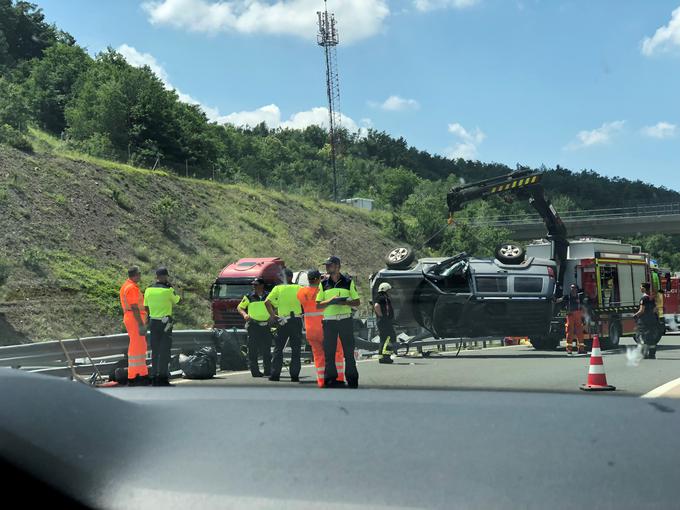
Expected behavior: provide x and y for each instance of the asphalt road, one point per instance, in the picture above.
(514, 368)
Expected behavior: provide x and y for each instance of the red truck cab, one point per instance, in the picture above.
(235, 281)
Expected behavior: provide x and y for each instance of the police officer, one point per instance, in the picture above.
(385, 315)
(159, 299)
(337, 295)
(254, 311)
(288, 313)
(647, 322)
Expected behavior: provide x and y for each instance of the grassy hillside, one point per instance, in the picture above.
(72, 224)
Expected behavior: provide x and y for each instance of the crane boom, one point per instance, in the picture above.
(524, 184)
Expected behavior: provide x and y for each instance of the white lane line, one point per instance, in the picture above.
(663, 389)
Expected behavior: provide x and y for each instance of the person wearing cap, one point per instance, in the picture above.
(285, 309)
(254, 311)
(134, 318)
(160, 298)
(314, 329)
(385, 318)
(337, 295)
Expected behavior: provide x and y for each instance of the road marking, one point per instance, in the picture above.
(663, 389)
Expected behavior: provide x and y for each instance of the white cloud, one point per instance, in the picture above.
(660, 130)
(357, 19)
(138, 59)
(665, 38)
(271, 115)
(396, 104)
(466, 148)
(430, 5)
(598, 136)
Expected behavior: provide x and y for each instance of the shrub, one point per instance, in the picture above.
(169, 213)
(14, 138)
(35, 260)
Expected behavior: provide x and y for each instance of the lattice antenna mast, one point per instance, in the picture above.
(329, 40)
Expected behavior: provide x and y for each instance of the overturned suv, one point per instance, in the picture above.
(461, 296)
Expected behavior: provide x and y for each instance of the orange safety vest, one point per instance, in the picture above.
(313, 315)
(130, 295)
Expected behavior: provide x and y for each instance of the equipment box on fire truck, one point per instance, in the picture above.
(609, 274)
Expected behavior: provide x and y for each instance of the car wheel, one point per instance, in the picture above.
(545, 343)
(510, 253)
(612, 341)
(400, 258)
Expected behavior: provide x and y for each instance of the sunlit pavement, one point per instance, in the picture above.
(514, 368)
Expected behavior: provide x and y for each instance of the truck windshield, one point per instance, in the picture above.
(231, 290)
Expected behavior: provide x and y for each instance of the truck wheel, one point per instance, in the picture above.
(545, 343)
(400, 258)
(612, 341)
(510, 253)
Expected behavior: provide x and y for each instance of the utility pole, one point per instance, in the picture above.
(328, 39)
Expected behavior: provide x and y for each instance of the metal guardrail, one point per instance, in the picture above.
(108, 351)
(642, 211)
(44, 354)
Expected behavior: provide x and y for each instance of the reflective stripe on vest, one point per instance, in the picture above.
(313, 314)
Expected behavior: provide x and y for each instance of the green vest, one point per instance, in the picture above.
(160, 298)
(284, 297)
(255, 307)
(344, 287)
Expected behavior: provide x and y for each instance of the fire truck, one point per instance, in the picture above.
(609, 273)
(669, 285)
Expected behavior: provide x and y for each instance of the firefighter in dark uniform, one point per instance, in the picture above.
(573, 328)
(385, 315)
(337, 295)
(647, 323)
(254, 311)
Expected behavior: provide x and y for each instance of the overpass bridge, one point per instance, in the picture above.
(646, 219)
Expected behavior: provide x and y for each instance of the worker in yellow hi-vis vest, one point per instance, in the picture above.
(159, 299)
(285, 309)
(337, 295)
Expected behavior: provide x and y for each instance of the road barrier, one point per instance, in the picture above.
(108, 351)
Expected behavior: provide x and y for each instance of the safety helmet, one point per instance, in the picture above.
(384, 287)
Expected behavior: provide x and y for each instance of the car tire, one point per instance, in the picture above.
(545, 343)
(400, 258)
(509, 253)
(612, 341)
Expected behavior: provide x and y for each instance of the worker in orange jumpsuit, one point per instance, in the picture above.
(574, 326)
(134, 318)
(314, 328)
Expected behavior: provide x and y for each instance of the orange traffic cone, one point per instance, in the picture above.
(597, 380)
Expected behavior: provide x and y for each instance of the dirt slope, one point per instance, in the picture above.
(69, 229)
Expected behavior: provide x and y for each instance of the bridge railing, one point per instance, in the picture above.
(590, 215)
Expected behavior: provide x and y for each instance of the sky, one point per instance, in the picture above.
(580, 84)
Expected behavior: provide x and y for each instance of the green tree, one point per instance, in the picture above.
(14, 109)
(395, 185)
(51, 83)
(24, 34)
(130, 107)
